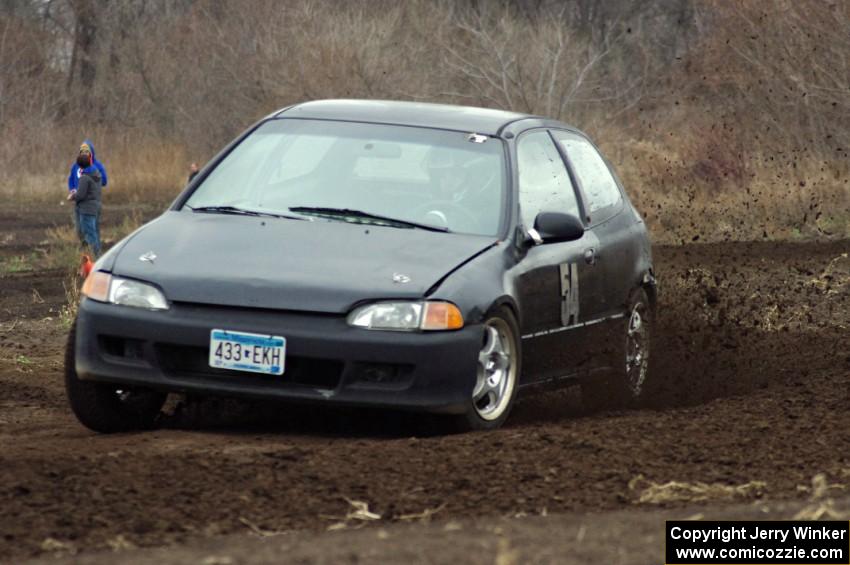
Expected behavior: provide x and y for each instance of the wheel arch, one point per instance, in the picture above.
(506, 301)
(650, 286)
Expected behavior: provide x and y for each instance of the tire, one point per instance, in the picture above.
(626, 384)
(106, 408)
(499, 369)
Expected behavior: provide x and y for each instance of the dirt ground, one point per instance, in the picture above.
(749, 394)
(623, 537)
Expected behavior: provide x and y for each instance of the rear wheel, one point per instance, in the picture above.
(499, 365)
(625, 385)
(108, 408)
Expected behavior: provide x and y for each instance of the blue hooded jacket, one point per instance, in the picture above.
(74, 176)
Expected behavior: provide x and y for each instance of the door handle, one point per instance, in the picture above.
(590, 256)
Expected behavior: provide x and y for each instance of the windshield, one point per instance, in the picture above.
(363, 173)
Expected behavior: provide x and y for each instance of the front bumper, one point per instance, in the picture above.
(326, 360)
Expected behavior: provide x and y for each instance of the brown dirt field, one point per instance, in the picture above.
(622, 537)
(751, 364)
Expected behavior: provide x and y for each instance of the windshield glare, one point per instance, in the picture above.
(432, 177)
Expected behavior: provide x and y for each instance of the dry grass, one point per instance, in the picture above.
(63, 251)
(68, 312)
(821, 506)
(649, 492)
(129, 223)
(18, 263)
(139, 170)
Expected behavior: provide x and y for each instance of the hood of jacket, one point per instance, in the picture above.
(88, 142)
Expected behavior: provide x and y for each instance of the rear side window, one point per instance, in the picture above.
(597, 183)
(544, 184)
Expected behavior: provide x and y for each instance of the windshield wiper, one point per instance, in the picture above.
(360, 214)
(240, 212)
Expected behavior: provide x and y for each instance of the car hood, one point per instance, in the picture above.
(318, 266)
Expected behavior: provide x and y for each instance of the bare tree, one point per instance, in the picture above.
(535, 65)
(85, 42)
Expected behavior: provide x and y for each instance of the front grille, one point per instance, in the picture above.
(189, 361)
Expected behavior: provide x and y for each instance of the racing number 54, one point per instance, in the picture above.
(569, 294)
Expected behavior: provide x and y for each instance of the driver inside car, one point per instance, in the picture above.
(448, 185)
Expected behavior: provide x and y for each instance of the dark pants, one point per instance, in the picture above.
(91, 232)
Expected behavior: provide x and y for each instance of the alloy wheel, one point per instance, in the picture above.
(637, 349)
(497, 368)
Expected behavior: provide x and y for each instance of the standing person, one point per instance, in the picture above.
(86, 198)
(86, 148)
(193, 171)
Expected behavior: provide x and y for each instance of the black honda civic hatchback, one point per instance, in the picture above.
(367, 253)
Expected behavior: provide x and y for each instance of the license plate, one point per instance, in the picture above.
(239, 351)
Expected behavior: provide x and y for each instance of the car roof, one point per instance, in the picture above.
(442, 116)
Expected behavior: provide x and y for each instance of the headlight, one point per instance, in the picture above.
(407, 316)
(103, 287)
(135, 293)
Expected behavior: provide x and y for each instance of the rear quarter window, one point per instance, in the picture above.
(597, 183)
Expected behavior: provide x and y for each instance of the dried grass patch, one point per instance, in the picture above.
(821, 506)
(650, 492)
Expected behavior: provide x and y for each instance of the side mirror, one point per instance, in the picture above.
(555, 227)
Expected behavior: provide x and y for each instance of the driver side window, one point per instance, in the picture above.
(544, 184)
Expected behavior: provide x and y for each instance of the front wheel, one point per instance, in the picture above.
(498, 370)
(108, 408)
(625, 385)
